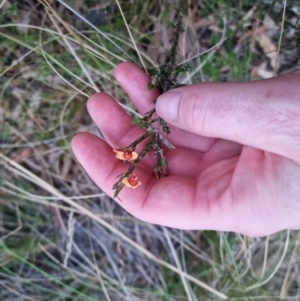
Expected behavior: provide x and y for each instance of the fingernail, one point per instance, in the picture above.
(167, 105)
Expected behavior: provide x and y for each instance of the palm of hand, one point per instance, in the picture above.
(212, 184)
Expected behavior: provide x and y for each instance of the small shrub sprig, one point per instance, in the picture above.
(164, 78)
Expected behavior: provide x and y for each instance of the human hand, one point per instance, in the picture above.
(236, 165)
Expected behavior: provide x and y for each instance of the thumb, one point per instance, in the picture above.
(264, 114)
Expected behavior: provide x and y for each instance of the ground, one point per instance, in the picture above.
(62, 238)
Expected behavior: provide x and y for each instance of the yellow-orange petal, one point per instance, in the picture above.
(134, 155)
(126, 155)
(132, 181)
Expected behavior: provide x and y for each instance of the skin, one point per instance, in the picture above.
(236, 165)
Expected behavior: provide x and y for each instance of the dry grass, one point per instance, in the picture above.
(61, 237)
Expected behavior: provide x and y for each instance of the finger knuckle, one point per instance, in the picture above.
(196, 111)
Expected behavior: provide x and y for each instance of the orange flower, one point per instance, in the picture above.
(131, 181)
(125, 155)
